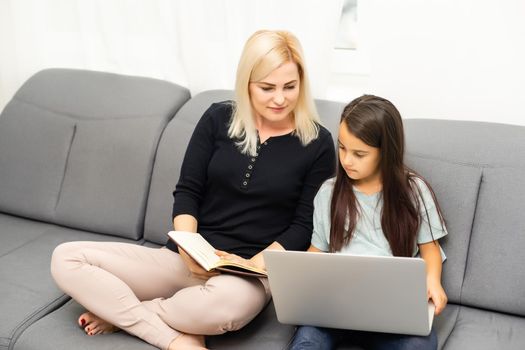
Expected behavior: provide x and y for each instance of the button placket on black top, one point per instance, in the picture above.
(245, 181)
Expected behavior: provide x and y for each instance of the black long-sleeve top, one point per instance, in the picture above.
(242, 203)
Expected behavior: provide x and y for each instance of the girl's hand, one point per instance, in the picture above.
(436, 293)
(196, 270)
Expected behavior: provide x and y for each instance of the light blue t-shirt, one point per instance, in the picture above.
(368, 237)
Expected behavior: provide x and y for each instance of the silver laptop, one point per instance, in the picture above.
(368, 293)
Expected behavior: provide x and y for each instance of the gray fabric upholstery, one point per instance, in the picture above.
(482, 249)
(79, 149)
(456, 188)
(484, 330)
(72, 336)
(15, 232)
(263, 333)
(27, 291)
(107, 175)
(76, 149)
(34, 146)
(78, 145)
(444, 324)
(97, 95)
(476, 171)
(330, 114)
(474, 143)
(494, 278)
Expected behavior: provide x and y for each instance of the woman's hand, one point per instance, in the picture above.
(436, 293)
(234, 258)
(196, 270)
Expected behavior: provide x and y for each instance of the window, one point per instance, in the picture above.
(349, 54)
(347, 30)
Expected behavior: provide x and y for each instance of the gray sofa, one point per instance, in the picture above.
(95, 156)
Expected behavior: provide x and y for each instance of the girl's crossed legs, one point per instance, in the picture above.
(150, 293)
(318, 338)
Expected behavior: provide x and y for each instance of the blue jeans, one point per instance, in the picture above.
(308, 337)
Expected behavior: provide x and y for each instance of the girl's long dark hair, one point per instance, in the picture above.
(377, 122)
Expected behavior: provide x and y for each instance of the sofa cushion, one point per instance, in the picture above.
(28, 291)
(263, 333)
(444, 323)
(494, 275)
(107, 175)
(77, 148)
(42, 334)
(98, 95)
(34, 148)
(456, 187)
(474, 143)
(486, 330)
(330, 114)
(16, 231)
(455, 177)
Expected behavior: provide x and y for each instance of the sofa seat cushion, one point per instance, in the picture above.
(486, 330)
(263, 333)
(16, 231)
(28, 291)
(444, 323)
(59, 330)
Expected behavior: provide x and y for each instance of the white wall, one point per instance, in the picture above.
(195, 43)
(452, 59)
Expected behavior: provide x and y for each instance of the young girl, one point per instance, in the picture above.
(376, 206)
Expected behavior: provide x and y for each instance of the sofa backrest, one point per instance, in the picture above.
(77, 148)
(476, 170)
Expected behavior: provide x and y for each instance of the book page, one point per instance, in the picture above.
(232, 266)
(204, 254)
(197, 247)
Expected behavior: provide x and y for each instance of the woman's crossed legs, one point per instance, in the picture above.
(150, 293)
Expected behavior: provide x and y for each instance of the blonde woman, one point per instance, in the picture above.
(247, 183)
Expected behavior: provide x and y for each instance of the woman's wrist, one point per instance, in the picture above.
(257, 261)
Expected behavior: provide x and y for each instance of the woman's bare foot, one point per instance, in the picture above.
(188, 342)
(93, 324)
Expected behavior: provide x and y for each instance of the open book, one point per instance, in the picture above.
(204, 254)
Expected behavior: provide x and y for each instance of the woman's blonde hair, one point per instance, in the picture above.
(265, 51)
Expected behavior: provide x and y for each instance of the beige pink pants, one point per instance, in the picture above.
(150, 293)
